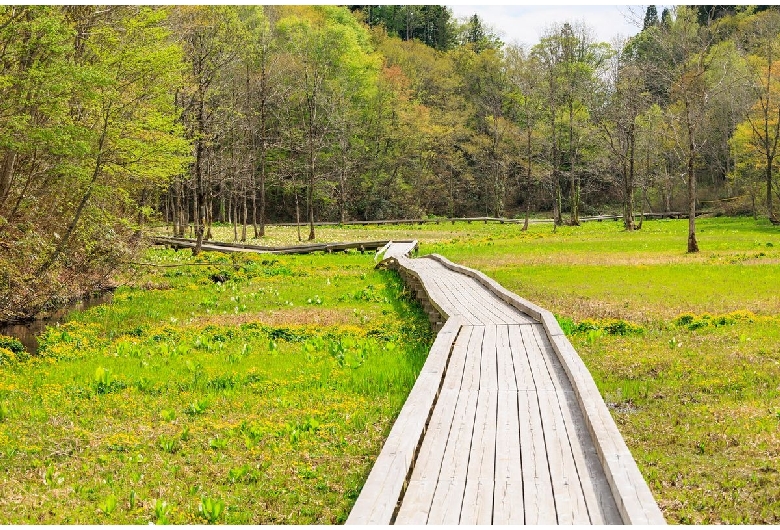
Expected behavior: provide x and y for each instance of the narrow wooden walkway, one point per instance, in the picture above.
(504, 425)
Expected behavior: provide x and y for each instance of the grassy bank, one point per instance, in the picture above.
(242, 391)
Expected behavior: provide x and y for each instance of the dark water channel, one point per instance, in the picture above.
(27, 332)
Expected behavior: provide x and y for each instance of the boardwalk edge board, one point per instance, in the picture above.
(632, 495)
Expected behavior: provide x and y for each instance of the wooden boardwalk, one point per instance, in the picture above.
(504, 425)
(306, 248)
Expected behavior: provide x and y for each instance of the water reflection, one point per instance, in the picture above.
(27, 332)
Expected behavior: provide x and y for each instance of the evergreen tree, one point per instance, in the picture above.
(651, 18)
(666, 18)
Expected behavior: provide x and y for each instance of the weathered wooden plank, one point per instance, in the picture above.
(472, 368)
(418, 497)
(462, 292)
(448, 497)
(508, 506)
(527, 447)
(598, 496)
(480, 479)
(478, 494)
(537, 485)
(455, 299)
(497, 311)
(422, 486)
(471, 294)
(530, 312)
(631, 493)
(601, 508)
(508, 490)
(488, 373)
(463, 348)
(506, 369)
(449, 301)
(569, 497)
(522, 370)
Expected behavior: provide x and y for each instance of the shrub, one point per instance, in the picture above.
(11, 343)
(593, 328)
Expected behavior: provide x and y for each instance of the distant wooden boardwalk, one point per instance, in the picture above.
(504, 424)
(306, 248)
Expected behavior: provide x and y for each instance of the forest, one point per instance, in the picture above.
(113, 118)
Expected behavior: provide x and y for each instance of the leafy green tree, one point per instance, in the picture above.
(211, 42)
(125, 120)
(432, 25)
(91, 130)
(689, 50)
(527, 103)
(761, 129)
(571, 62)
(474, 33)
(328, 55)
(625, 101)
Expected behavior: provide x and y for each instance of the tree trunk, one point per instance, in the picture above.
(575, 192)
(628, 215)
(200, 215)
(6, 175)
(310, 187)
(693, 246)
(235, 220)
(769, 205)
(246, 215)
(528, 183)
(141, 205)
(343, 191)
(297, 213)
(209, 215)
(84, 199)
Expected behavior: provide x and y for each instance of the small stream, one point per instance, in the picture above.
(27, 332)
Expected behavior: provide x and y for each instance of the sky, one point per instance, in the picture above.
(524, 24)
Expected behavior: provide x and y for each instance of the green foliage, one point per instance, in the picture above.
(168, 444)
(161, 511)
(90, 124)
(102, 380)
(12, 344)
(594, 328)
(430, 24)
(10, 357)
(108, 505)
(211, 509)
(694, 322)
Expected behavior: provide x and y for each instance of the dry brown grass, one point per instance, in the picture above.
(294, 316)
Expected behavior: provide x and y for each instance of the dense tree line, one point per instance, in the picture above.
(191, 115)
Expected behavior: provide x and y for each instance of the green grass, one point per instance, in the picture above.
(261, 399)
(193, 401)
(598, 270)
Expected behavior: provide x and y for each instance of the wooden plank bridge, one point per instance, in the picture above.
(504, 424)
